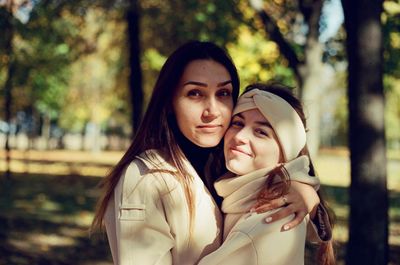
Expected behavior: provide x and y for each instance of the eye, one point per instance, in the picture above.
(237, 123)
(194, 93)
(261, 133)
(225, 92)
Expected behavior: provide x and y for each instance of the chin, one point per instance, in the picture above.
(208, 142)
(235, 167)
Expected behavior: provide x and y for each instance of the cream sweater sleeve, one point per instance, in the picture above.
(140, 233)
(319, 229)
(252, 241)
(237, 249)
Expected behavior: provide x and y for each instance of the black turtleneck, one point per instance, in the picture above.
(199, 158)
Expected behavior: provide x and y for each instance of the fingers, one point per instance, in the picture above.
(263, 206)
(284, 200)
(296, 221)
(282, 213)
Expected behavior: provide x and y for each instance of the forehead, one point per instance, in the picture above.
(206, 71)
(253, 115)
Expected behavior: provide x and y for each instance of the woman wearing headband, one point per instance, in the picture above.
(157, 206)
(265, 147)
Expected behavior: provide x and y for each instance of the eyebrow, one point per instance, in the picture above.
(206, 85)
(262, 123)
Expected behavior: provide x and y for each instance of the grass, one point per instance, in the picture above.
(46, 208)
(45, 220)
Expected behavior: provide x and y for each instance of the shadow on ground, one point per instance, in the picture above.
(45, 218)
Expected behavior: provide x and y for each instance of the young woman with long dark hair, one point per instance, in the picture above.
(158, 206)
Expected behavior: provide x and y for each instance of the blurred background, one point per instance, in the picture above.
(76, 76)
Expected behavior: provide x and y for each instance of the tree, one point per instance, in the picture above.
(96, 99)
(135, 77)
(9, 32)
(295, 27)
(368, 233)
(8, 21)
(391, 29)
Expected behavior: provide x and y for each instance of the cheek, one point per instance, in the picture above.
(228, 136)
(185, 113)
(268, 155)
(274, 152)
(226, 111)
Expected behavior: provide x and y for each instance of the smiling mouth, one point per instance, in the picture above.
(235, 150)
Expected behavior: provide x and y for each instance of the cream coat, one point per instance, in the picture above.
(249, 240)
(147, 220)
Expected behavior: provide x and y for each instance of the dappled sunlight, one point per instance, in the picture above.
(61, 162)
(45, 220)
(41, 242)
(337, 198)
(394, 238)
(34, 208)
(333, 168)
(47, 215)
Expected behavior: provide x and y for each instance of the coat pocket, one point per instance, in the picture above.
(132, 212)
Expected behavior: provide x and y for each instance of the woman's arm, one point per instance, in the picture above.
(252, 242)
(139, 231)
(301, 200)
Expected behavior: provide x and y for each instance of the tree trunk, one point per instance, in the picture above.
(311, 72)
(135, 78)
(46, 130)
(8, 35)
(316, 78)
(368, 232)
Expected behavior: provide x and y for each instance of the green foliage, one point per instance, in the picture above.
(391, 30)
(72, 56)
(46, 49)
(94, 93)
(42, 55)
(392, 111)
(180, 21)
(153, 60)
(257, 59)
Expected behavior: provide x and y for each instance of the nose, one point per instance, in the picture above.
(241, 136)
(211, 109)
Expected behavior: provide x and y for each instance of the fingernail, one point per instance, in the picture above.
(268, 219)
(252, 210)
(286, 227)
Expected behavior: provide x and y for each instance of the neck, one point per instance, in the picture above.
(197, 156)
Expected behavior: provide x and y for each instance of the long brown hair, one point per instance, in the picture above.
(157, 128)
(325, 254)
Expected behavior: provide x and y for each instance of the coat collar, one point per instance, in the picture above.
(240, 193)
(153, 159)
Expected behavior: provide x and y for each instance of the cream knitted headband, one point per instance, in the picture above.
(281, 115)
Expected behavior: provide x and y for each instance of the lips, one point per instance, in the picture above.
(237, 150)
(209, 128)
